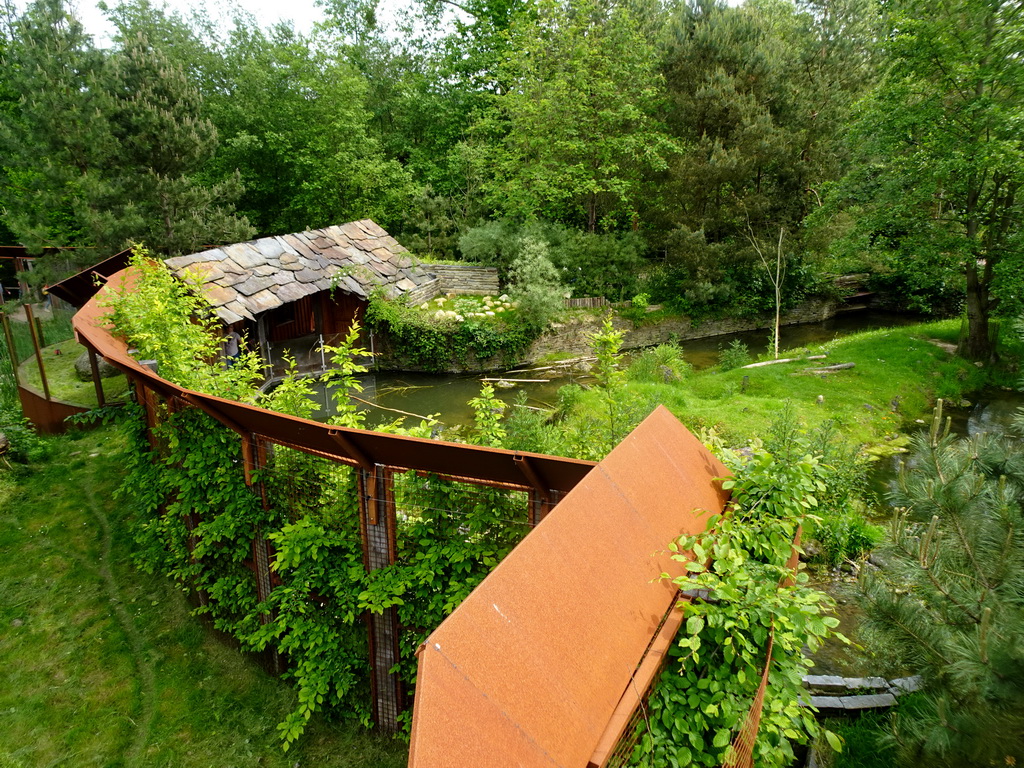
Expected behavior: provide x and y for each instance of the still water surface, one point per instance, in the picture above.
(447, 395)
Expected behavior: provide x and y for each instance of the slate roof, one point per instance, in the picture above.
(245, 279)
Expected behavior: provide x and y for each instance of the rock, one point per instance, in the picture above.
(84, 371)
(826, 683)
(17, 623)
(873, 701)
(903, 685)
(878, 560)
(811, 550)
(668, 375)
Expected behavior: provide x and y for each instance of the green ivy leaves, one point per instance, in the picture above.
(741, 560)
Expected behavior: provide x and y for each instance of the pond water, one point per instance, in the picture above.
(447, 395)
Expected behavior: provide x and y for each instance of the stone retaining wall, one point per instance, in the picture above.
(425, 292)
(463, 278)
(572, 337)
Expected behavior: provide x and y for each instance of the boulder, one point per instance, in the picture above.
(84, 371)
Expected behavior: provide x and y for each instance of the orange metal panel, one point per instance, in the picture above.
(473, 462)
(551, 639)
(48, 416)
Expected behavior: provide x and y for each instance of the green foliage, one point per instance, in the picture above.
(343, 376)
(702, 700)
(26, 447)
(758, 95)
(535, 286)
(572, 133)
(845, 536)
(588, 264)
(863, 741)
(107, 145)
(840, 531)
(487, 412)
(947, 605)
(942, 157)
(663, 363)
(736, 355)
(445, 344)
(169, 321)
(294, 125)
(292, 395)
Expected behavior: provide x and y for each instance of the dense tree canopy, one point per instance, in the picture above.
(675, 136)
(943, 162)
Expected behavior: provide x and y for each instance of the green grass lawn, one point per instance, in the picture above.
(104, 665)
(59, 360)
(891, 363)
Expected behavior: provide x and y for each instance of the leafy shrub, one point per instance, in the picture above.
(736, 355)
(535, 286)
(568, 397)
(662, 364)
(446, 344)
(26, 445)
(845, 536)
(588, 264)
(700, 704)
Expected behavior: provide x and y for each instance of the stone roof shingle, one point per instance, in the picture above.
(244, 279)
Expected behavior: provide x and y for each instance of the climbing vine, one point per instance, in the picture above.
(740, 564)
(195, 519)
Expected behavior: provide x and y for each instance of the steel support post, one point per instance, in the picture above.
(377, 523)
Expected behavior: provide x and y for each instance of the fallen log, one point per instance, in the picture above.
(396, 410)
(784, 360)
(830, 368)
(520, 381)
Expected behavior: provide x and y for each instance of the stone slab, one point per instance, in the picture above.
(270, 247)
(263, 301)
(307, 276)
(254, 285)
(866, 683)
(903, 685)
(827, 683)
(827, 704)
(871, 701)
(295, 291)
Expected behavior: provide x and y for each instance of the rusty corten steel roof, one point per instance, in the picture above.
(528, 670)
(245, 279)
(468, 461)
(78, 289)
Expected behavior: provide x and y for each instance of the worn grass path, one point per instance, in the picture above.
(101, 665)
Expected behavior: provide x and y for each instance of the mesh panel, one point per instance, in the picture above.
(486, 520)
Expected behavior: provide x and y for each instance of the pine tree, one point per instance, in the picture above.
(56, 138)
(105, 147)
(164, 140)
(948, 604)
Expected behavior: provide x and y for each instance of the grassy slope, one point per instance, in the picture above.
(64, 384)
(103, 665)
(889, 363)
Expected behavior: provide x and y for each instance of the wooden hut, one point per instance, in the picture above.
(293, 293)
